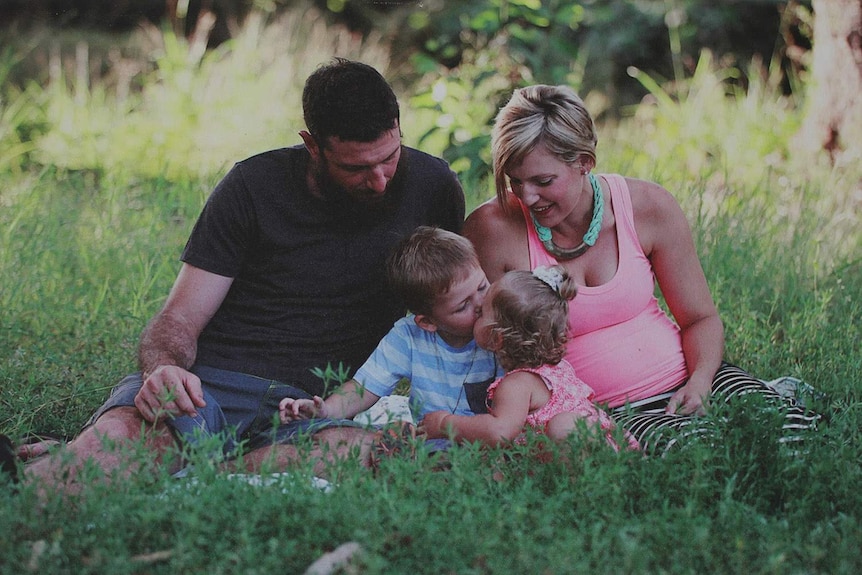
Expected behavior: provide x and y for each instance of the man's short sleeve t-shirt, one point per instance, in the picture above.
(309, 285)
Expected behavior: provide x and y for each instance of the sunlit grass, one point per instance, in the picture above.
(198, 112)
(95, 209)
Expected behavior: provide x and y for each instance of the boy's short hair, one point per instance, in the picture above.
(425, 264)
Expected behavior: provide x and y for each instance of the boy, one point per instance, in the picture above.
(437, 274)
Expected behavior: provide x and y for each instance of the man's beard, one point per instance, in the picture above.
(356, 211)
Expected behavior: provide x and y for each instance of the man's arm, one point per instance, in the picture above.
(168, 344)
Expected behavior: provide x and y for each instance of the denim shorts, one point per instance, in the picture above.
(239, 408)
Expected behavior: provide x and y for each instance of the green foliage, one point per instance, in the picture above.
(332, 376)
(20, 112)
(491, 47)
(197, 111)
(86, 260)
(89, 235)
(488, 512)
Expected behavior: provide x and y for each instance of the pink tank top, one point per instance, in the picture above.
(621, 343)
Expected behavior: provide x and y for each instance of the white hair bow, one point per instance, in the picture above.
(550, 276)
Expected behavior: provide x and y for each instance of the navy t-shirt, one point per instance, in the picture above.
(309, 287)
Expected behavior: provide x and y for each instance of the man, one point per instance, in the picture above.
(283, 274)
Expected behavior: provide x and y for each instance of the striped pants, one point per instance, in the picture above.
(658, 432)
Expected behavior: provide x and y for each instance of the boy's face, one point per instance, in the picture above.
(455, 312)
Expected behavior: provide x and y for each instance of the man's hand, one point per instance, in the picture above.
(290, 409)
(169, 389)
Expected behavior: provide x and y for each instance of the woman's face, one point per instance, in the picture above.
(545, 184)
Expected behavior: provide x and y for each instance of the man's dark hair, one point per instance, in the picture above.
(348, 100)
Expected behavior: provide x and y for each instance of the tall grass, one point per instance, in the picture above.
(95, 212)
(778, 232)
(198, 111)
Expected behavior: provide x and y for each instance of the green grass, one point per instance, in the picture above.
(88, 250)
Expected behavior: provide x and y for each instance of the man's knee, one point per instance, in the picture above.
(122, 425)
(341, 442)
(344, 436)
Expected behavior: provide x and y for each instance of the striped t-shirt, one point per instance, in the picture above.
(437, 372)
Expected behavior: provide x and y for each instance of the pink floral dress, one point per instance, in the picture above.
(568, 394)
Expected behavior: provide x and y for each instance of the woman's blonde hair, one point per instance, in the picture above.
(531, 318)
(551, 116)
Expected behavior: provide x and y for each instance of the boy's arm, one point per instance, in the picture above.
(290, 409)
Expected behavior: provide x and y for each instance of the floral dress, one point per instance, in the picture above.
(568, 395)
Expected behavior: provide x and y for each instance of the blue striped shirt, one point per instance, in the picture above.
(436, 370)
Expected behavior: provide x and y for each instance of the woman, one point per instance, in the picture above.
(616, 236)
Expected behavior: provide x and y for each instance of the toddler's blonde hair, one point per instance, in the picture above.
(531, 318)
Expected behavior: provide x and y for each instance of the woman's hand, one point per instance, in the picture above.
(691, 398)
(290, 409)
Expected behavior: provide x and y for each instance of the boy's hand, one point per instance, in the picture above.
(290, 409)
(432, 425)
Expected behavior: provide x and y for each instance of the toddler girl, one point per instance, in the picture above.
(525, 321)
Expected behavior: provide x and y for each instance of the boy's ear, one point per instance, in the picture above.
(425, 322)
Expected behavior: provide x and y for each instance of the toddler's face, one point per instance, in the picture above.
(456, 311)
(486, 321)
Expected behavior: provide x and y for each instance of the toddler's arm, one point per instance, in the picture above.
(505, 421)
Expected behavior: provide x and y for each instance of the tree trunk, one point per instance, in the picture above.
(834, 117)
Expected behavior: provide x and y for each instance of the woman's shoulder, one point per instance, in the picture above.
(499, 236)
(646, 195)
(652, 204)
(657, 214)
(491, 213)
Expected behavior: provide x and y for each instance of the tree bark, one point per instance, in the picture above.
(834, 117)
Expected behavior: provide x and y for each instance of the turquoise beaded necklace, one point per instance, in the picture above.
(592, 231)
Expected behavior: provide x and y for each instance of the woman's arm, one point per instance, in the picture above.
(667, 240)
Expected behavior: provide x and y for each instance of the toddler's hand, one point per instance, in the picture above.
(432, 426)
(290, 409)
